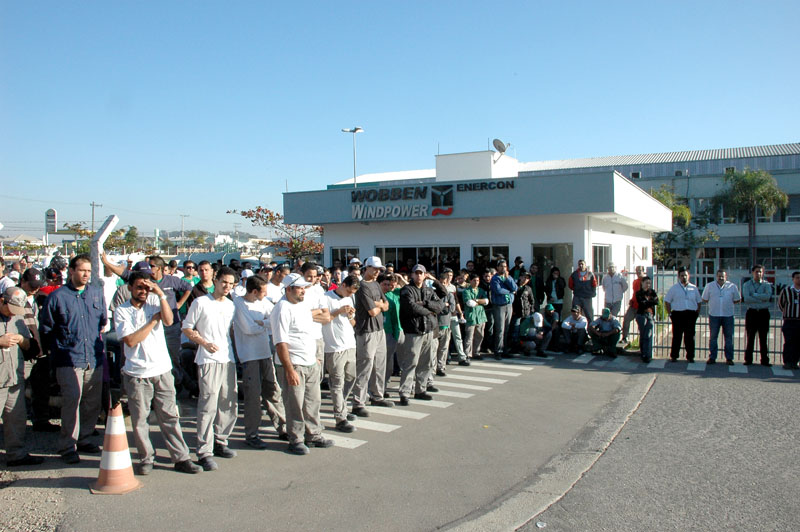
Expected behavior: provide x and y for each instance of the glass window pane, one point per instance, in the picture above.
(450, 257)
(481, 257)
(793, 261)
(499, 252)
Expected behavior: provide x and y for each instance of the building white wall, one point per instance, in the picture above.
(518, 233)
(475, 165)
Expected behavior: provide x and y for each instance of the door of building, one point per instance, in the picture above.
(706, 270)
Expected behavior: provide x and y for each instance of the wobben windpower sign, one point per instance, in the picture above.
(414, 201)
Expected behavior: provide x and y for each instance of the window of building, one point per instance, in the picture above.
(341, 256)
(678, 173)
(636, 175)
(434, 258)
(601, 256)
(793, 259)
(486, 256)
(547, 256)
(793, 210)
(734, 258)
(730, 169)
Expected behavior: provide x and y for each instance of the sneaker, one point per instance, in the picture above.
(71, 457)
(26, 460)
(283, 435)
(729, 362)
(463, 363)
(319, 442)
(673, 359)
(403, 400)
(88, 448)
(186, 466)
(345, 426)
(711, 361)
(440, 373)
(45, 426)
(423, 396)
(432, 388)
(748, 362)
(351, 417)
(766, 364)
(208, 464)
(297, 448)
(360, 411)
(145, 468)
(223, 451)
(256, 443)
(382, 402)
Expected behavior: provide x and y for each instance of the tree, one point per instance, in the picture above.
(688, 230)
(749, 193)
(295, 241)
(83, 236)
(131, 236)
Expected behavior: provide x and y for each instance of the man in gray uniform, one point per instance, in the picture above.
(15, 338)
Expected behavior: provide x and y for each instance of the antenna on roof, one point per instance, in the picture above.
(500, 147)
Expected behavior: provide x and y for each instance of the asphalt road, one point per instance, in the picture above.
(710, 451)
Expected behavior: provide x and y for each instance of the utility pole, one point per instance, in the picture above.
(93, 205)
(183, 217)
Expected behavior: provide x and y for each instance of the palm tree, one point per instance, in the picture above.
(750, 192)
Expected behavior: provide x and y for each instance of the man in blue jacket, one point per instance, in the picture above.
(71, 323)
(503, 288)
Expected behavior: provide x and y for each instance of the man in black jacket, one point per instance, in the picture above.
(419, 308)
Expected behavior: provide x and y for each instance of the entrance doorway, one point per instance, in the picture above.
(706, 270)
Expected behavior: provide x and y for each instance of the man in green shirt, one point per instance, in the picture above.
(391, 285)
(475, 299)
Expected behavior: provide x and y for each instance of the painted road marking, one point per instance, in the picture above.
(487, 372)
(477, 379)
(463, 386)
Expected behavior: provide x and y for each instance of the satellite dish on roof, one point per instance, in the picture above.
(499, 146)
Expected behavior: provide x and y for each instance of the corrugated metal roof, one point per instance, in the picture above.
(669, 157)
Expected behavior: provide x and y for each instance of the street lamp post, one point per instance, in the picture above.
(353, 131)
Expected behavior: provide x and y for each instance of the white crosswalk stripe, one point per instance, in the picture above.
(737, 369)
(477, 379)
(600, 362)
(399, 411)
(658, 363)
(520, 367)
(344, 442)
(362, 424)
(696, 366)
(780, 372)
(463, 386)
(487, 372)
(583, 359)
(434, 403)
(449, 393)
(522, 362)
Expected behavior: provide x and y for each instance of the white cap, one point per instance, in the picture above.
(374, 262)
(246, 273)
(294, 279)
(355, 260)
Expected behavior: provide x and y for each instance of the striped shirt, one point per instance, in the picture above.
(789, 303)
(32, 321)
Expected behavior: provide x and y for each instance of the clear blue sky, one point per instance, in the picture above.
(155, 109)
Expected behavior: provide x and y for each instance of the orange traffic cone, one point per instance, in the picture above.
(116, 471)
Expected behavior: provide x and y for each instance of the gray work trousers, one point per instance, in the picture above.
(502, 322)
(160, 392)
(443, 348)
(455, 338)
(630, 317)
(12, 401)
(473, 337)
(260, 387)
(393, 347)
(81, 392)
(217, 405)
(415, 363)
(341, 366)
(302, 403)
(370, 367)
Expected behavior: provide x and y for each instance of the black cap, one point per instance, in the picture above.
(34, 277)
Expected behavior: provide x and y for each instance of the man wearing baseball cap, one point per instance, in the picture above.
(37, 365)
(371, 303)
(419, 308)
(15, 341)
(297, 367)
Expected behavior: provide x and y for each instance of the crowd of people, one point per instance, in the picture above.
(288, 331)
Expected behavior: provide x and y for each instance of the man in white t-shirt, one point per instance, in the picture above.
(340, 348)
(299, 371)
(315, 301)
(147, 373)
(274, 286)
(251, 330)
(208, 324)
